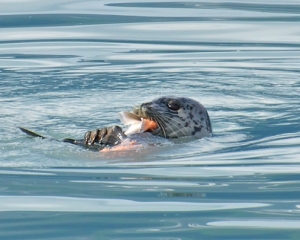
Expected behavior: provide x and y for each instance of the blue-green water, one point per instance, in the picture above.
(70, 66)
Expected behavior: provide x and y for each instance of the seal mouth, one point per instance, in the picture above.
(151, 119)
(138, 123)
(149, 123)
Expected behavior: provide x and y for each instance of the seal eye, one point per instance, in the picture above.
(173, 106)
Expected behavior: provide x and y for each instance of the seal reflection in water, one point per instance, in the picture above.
(173, 117)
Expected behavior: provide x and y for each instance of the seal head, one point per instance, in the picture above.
(176, 117)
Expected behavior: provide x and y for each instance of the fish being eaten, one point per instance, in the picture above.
(138, 124)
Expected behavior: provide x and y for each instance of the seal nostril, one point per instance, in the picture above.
(145, 106)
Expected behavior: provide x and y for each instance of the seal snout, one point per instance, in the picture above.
(144, 110)
(145, 107)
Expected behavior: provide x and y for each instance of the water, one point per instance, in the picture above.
(70, 66)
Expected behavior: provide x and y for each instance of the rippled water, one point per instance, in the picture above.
(70, 66)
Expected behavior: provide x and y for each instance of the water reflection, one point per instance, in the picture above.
(67, 204)
(267, 223)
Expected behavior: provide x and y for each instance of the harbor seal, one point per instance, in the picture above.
(175, 117)
(168, 117)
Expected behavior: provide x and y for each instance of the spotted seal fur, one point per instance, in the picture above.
(176, 117)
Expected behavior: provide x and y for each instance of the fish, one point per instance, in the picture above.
(137, 124)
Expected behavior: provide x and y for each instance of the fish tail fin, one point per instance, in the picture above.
(33, 134)
(30, 133)
(67, 140)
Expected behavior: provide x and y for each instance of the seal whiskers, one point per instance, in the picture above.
(160, 123)
(170, 125)
(174, 125)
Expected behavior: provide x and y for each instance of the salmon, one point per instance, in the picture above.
(131, 146)
(137, 124)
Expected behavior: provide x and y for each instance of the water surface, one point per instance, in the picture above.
(70, 66)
